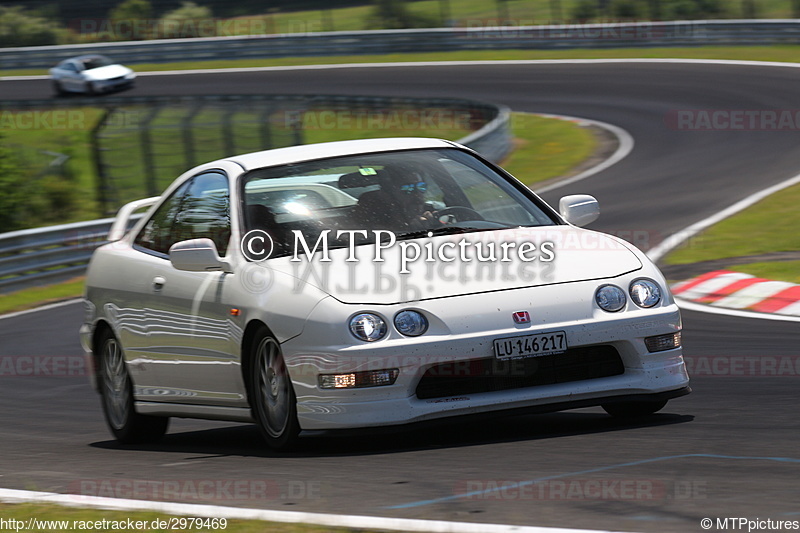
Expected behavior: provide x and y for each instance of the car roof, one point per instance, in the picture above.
(310, 152)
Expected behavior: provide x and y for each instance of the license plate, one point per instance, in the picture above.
(551, 343)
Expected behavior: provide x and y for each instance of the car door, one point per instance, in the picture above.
(188, 332)
(71, 77)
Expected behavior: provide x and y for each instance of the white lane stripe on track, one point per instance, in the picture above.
(327, 520)
(42, 308)
(688, 305)
(683, 235)
(626, 144)
(446, 64)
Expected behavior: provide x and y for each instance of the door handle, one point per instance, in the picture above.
(158, 282)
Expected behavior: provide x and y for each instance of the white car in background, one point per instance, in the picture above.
(90, 74)
(370, 283)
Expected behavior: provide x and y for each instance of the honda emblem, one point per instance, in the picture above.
(522, 317)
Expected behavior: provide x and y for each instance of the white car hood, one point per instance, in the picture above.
(579, 255)
(106, 73)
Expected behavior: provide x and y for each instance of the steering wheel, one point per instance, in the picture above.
(456, 213)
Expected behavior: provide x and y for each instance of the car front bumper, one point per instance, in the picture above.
(641, 375)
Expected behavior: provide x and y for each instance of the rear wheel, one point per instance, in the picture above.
(116, 391)
(273, 400)
(632, 409)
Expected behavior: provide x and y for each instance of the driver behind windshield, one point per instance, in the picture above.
(399, 205)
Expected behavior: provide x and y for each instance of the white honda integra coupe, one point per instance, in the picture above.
(369, 283)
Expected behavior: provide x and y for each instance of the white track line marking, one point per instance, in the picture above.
(328, 520)
(625, 147)
(42, 308)
(446, 64)
(691, 306)
(679, 237)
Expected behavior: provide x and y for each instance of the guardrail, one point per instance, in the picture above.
(604, 35)
(47, 255)
(52, 254)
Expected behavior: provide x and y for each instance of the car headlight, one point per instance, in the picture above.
(610, 298)
(367, 327)
(411, 323)
(645, 292)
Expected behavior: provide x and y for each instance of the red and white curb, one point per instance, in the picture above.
(734, 290)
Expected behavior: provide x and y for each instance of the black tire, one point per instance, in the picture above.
(633, 409)
(272, 399)
(58, 88)
(116, 391)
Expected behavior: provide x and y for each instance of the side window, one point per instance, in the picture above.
(200, 208)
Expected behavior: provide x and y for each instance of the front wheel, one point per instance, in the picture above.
(633, 409)
(116, 390)
(273, 400)
(58, 88)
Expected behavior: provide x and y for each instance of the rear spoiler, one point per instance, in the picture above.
(123, 219)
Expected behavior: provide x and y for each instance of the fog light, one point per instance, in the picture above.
(659, 343)
(357, 380)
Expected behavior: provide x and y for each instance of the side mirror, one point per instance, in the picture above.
(197, 255)
(579, 209)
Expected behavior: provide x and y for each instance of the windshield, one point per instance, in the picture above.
(410, 193)
(96, 62)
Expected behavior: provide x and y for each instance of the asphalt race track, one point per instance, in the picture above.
(728, 450)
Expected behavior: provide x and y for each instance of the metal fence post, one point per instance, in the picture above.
(187, 134)
(103, 186)
(147, 152)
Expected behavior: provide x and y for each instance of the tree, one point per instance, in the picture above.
(21, 28)
(15, 189)
(394, 14)
(131, 19)
(584, 10)
(189, 20)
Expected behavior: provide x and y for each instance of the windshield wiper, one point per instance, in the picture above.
(443, 230)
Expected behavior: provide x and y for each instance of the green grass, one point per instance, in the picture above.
(779, 270)
(783, 53)
(771, 225)
(546, 148)
(75, 516)
(34, 297)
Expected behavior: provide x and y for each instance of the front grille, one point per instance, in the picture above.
(490, 374)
